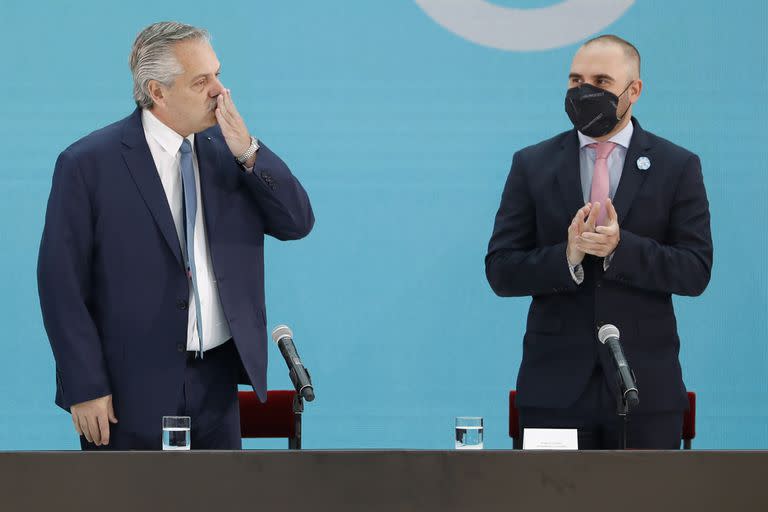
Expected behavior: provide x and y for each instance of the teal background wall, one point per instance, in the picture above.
(402, 132)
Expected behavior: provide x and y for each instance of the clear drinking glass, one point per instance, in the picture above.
(176, 432)
(469, 433)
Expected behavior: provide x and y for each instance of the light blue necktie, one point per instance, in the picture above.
(190, 211)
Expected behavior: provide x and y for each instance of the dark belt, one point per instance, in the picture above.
(215, 351)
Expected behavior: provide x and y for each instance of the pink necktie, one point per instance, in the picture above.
(600, 188)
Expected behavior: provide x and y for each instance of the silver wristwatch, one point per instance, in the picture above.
(252, 149)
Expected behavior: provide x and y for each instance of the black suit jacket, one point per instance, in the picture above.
(665, 249)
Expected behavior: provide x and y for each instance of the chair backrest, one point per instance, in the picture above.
(514, 421)
(689, 421)
(274, 418)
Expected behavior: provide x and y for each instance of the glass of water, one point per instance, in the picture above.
(469, 433)
(176, 432)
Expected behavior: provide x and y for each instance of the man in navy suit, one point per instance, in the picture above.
(601, 225)
(151, 264)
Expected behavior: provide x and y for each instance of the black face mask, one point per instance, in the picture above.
(592, 110)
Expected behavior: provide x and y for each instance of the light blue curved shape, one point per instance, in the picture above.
(508, 28)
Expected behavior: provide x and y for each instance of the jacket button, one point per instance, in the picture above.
(181, 348)
(182, 304)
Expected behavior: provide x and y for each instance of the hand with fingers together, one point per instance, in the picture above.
(92, 419)
(232, 126)
(583, 222)
(602, 240)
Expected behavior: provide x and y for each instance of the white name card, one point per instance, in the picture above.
(550, 439)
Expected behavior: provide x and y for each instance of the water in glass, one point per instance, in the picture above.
(469, 437)
(176, 438)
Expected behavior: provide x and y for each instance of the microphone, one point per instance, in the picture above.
(609, 335)
(283, 336)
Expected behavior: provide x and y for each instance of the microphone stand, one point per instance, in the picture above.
(623, 412)
(298, 409)
(622, 409)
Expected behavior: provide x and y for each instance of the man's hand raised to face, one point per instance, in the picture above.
(232, 126)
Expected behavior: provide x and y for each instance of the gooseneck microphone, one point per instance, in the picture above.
(283, 336)
(609, 335)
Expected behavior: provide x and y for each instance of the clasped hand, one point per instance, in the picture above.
(585, 237)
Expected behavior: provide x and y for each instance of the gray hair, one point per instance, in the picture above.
(152, 56)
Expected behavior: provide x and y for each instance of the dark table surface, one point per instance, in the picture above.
(390, 480)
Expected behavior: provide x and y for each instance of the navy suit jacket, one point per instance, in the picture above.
(111, 278)
(665, 249)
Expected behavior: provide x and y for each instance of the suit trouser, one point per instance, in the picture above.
(208, 396)
(599, 427)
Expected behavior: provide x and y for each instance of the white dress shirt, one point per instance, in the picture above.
(164, 144)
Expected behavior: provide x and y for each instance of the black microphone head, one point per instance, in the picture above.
(280, 332)
(308, 393)
(632, 398)
(605, 332)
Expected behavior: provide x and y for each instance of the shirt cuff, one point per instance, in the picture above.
(607, 261)
(577, 272)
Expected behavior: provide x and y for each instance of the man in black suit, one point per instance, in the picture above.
(601, 225)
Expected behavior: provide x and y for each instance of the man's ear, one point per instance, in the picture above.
(635, 89)
(156, 92)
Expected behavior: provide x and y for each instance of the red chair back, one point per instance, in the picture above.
(689, 421)
(514, 421)
(273, 418)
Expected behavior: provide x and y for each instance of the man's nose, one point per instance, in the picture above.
(217, 88)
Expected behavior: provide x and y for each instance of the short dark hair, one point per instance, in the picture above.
(629, 49)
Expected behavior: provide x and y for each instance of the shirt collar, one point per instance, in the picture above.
(622, 138)
(168, 139)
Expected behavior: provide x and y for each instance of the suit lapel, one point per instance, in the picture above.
(142, 168)
(568, 174)
(632, 178)
(208, 163)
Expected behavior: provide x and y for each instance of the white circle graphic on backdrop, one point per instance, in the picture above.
(509, 28)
